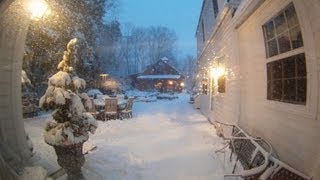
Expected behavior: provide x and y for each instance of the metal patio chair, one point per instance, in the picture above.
(256, 157)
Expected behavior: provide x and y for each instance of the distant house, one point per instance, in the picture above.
(159, 76)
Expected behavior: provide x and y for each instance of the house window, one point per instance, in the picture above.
(282, 33)
(287, 80)
(286, 76)
(215, 7)
(222, 84)
(203, 32)
(204, 89)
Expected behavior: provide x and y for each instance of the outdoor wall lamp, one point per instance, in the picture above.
(217, 72)
(37, 8)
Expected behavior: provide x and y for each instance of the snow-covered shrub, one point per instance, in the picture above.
(64, 95)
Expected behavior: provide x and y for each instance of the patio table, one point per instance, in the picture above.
(100, 103)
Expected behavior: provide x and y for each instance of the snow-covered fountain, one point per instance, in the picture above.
(71, 122)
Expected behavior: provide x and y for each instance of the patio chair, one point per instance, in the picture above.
(127, 112)
(93, 110)
(257, 158)
(110, 111)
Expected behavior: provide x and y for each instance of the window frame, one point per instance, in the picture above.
(276, 35)
(281, 56)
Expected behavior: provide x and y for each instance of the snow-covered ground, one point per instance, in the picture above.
(164, 140)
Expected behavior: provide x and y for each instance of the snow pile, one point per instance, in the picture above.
(34, 173)
(142, 96)
(94, 92)
(71, 121)
(168, 96)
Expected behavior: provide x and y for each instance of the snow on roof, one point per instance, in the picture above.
(159, 77)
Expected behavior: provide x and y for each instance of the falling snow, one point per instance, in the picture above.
(166, 139)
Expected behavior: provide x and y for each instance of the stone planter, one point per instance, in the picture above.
(71, 159)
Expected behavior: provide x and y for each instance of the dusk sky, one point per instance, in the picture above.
(179, 15)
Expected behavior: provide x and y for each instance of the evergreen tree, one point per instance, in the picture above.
(81, 19)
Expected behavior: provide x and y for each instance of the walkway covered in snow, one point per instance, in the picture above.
(164, 140)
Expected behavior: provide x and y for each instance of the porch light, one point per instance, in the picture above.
(37, 8)
(104, 75)
(170, 82)
(182, 84)
(217, 72)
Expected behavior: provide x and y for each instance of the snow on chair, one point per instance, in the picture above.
(256, 157)
(127, 112)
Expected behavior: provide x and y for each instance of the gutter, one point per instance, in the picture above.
(247, 8)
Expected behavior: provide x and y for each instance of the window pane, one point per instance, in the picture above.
(222, 84)
(269, 30)
(280, 23)
(277, 70)
(302, 90)
(289, 67)
(272, 48)
(269, 71)
(291, 16)
(277, 90)
(296, 37)
(289, 90)
(284, 42)
(301, 65)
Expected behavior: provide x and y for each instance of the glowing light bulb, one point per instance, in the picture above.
(217, 72)
(37, 8)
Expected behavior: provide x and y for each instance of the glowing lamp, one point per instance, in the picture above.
(170, 82)
(37, 8)
(104, 75)
(217, 72)
(182, 84)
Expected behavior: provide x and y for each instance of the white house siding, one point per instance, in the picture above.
(223, 48)
(208, 19)
(293, 130)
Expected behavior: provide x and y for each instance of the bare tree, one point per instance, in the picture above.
(143, 46)
(189, 67)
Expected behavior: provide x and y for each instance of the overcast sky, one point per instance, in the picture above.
(179, 15)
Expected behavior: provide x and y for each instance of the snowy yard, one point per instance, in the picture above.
(164, 140)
